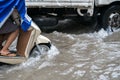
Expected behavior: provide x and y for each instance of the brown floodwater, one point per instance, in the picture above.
(76, 54)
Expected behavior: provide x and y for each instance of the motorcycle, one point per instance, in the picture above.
(29, 44)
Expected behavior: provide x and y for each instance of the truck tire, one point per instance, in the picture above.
(110, 19)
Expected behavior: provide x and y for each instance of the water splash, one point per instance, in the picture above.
(35, 62)
(80, 57)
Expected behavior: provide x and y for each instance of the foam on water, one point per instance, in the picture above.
(105, 53)
(34, 62)
(75, 57)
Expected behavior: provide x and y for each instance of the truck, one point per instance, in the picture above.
(106, 13)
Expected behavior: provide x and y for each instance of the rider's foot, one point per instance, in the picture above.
(7, 53)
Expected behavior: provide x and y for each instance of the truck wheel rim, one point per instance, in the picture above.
(114, 21)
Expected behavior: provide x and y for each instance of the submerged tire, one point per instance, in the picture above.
(110, 19)
(39, 50)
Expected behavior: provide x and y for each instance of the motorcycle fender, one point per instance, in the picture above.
(42, 39)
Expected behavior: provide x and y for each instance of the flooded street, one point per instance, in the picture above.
(75, 55)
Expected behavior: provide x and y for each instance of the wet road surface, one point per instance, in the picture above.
(76, 54)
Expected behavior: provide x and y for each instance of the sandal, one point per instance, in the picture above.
(9, 54)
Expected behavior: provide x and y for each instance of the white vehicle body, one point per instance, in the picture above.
(89, 8)
(104, 2)
(79, 4)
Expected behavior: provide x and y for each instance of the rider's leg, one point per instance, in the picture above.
(10, 39)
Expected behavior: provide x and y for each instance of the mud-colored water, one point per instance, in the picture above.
(81, 56)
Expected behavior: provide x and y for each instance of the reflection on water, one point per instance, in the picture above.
(87, 56)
